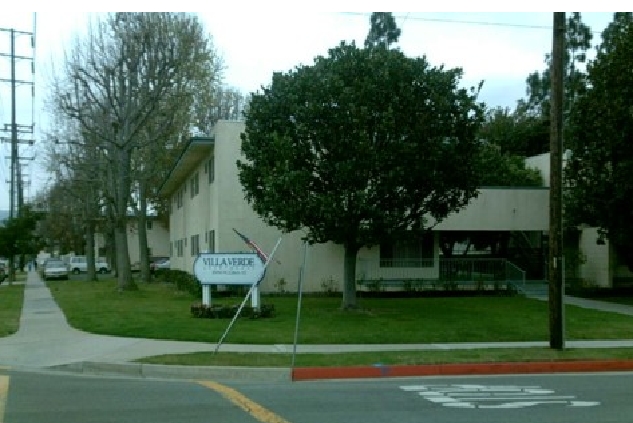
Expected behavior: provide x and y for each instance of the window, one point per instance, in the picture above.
(194, 185)
(211, 242)
(148, 224)
(171, 249)
(195, 245)
(179, 198)
(211, 169)
(411, 250)
(179, 248)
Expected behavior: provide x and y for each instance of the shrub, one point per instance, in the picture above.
(218, 311)
(280, 285)
(329, 286)
(182, 280)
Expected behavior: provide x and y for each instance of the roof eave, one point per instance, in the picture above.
(189, 158)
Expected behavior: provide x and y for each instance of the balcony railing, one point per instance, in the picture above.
(461, 271)
(408, 262)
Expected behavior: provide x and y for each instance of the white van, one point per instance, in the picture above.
(79, 264)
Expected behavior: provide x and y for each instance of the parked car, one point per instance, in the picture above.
(42, 266)
(3, 274)
(158, 263)
(78, 264)
(102, 266)
(162, 264)
(55, 269)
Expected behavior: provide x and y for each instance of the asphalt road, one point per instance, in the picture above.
(578, 398)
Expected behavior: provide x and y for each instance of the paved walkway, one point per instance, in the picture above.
(45, 339)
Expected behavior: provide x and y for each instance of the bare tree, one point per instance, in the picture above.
(135, 72)
(78, 171)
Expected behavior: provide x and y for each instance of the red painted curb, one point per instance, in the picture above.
(379, 370)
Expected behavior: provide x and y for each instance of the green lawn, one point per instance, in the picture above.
(159, 311)
(11, 298)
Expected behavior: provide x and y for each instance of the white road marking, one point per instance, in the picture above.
(485, 396)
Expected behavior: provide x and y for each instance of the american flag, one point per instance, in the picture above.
(254, 246)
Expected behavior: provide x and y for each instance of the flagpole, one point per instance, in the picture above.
(248, 294)
(299, 288)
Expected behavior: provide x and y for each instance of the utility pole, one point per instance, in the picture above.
(556, 263)
(16, 186)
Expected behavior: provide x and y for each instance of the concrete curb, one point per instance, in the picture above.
(381, 371)
(282, 374)
(159, 371)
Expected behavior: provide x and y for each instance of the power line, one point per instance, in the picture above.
(463, 22)
(405, 19)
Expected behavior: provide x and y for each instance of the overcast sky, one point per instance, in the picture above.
(499, 48)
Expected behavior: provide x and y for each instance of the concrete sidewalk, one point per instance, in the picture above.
(45, 340)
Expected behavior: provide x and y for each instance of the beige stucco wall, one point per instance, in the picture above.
(197, 216)
(157, 241)
(502, 209)
(597, 269)
(542, 163)
(368, 266)
(324, 262)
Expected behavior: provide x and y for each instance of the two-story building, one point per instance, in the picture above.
(207, 203)
(157, 240)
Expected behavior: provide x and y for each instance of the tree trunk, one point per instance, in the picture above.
(90, 249)
(349, 284)
(142, 234)
(111, 249)
(124, 272)
(11, 270)
(110, 238)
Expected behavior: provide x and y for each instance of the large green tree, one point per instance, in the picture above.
(530, 121)
(18, 236)
(359, 148)
(577, 42)
(507, 170)
(516, 133)
(600, 136)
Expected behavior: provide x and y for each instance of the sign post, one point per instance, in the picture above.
(206, 294)
(250, 291)
(299, 295)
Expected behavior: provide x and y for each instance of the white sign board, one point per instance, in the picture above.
(228, 268)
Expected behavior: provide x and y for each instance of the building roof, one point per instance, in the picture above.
(195, 151)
